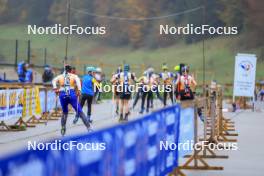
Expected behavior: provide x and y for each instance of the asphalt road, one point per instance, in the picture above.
(103, 116)
(248, 160)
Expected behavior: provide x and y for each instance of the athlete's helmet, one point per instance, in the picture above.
(98, 69)
(126, 67)
(151, 70)
(89, 69)
(185, 69)
(119, 70)
(177, 68)
(68, 68)
(164, 67)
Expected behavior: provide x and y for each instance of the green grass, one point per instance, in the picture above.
(219, 53)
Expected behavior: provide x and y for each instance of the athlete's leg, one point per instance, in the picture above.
(149, 98)
(126, 106)
(165, 98)
(96, 95)
(99, 96)
(64, 101)
(144, 94)
(82, 102)
(136, 100)
(158, 95)
(89, 107)
(76, 106)
(151, 105)
(64, 105)
(63, 123)
(121, 109)
(171, 96)
(83, 99)
(117, 102)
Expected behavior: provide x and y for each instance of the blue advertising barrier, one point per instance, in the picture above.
(186, 131)
(133, 148)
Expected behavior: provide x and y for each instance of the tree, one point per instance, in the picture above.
(58, 12)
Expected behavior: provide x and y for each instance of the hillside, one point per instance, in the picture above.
(219, 52)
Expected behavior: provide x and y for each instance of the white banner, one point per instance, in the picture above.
(245, 73)
(52, 100)
(11, 103)
(42, 96)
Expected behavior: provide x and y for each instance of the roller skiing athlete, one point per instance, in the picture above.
(64, 86)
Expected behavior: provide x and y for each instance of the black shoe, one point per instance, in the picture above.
(75, 120)
(120, 118)
(63, 131)
(126, 117)
(141, 111)
(88, 125)
(147, 110)
(89, 119)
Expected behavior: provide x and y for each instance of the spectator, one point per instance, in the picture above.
(47, 74)
(98, 78)
(29, 74)
(21, 71)
(261, 91)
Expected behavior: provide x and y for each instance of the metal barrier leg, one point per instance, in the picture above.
(35, 120)
(177, 172)
(198, 162)
(20, 123)
(4, 127)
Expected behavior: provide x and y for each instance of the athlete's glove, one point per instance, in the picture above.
(57, 91)
(78, 93)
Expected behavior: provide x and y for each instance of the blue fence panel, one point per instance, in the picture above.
(186, 131)
(131, 149)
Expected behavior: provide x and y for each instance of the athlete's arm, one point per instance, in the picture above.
(78, 82)
(55, 81)
(133, 76)
(140, 79)
(193, 81)
(113, 79)
(96, 83)
(177, 78)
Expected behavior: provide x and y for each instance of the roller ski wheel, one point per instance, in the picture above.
(90, 129)
(63, 131)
